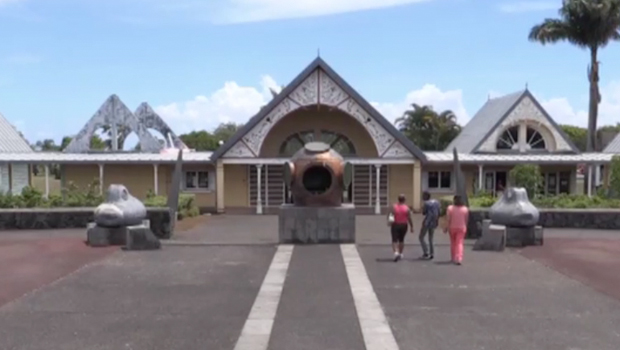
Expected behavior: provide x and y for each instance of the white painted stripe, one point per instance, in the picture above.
(257, 329)
(375, 327)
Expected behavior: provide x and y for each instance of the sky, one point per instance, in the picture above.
(203, 62)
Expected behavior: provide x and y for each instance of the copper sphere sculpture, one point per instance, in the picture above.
(317, 176)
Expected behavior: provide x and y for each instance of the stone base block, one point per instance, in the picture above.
(140, 237)
(493, 237)
(98, 236)
(304, 225)
(524, 236)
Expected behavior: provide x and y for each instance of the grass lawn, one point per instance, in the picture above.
(38, 182)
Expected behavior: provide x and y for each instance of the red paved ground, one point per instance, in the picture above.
(594, 262)
(27, 264)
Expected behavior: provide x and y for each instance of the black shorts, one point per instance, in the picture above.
(399, 231)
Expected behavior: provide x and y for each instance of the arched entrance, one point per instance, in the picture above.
(342, 132)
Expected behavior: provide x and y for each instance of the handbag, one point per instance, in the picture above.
(390, 219)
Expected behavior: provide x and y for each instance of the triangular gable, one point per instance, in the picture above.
(113, 111)
(525, 107)
(12, 141)
(319, 84)
(151, 120)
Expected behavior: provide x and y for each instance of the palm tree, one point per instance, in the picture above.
(587, 24)
(429, 130)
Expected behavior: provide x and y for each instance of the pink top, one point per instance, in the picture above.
(401, 213)
(457, 217)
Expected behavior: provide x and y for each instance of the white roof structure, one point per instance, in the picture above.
(205, 157)
(103, 158)
(10, 139)
(468, 158)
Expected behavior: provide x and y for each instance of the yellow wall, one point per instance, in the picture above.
(236, 185)
(139, 179)
(311, 119)
(400, 180)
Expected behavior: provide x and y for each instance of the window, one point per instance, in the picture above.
(197, 180)
(338, 142)
(439, 179)
(509, 140)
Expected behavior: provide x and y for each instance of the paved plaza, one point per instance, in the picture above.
(227, 285)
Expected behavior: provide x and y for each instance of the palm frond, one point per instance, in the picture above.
(550, 31)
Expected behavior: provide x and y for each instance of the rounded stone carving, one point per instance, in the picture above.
(514, 209)
(315, 176)
(119, 209)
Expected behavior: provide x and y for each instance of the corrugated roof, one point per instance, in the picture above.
(204, 157)
(10, 139)
(94, 158)
(614, 146)
(517, 158)
(484, 121)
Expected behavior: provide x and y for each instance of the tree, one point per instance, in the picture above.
(587, 24)
(225, 131)
(578, 135)
(429, 130)
(527, 176)
(200, 140)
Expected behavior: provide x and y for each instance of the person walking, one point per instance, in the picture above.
(431, 211)
(458, 216)
(399, 219)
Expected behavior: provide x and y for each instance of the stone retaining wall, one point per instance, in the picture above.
(59, 218)
(606, 219)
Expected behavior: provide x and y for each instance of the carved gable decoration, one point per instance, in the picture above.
(151, 120)
(113, 111)
(318, 89)
(528, 111)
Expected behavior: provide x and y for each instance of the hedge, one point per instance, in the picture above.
(568, 201)
(73, 196)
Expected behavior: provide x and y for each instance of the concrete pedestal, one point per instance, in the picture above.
(98, 236)
(305, 225)
(141, 238)
(493, 237)
(524, 236)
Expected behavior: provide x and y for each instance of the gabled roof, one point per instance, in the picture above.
(613, 146)
(318, 63)
(490, 117)
(10, 139)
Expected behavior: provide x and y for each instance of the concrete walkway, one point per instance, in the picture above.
(243, 295)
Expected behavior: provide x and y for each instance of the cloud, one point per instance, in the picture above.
(563, 112)
(235, 103)
(430, 95)
(528, 6)
(231, 103)
(239, 11)
(23, 58)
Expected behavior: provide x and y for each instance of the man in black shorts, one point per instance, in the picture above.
(400, 220)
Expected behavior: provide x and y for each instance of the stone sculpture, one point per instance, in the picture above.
(121, 220)
(317, 177)
(175, 189)
(459, 178)
(514, 209)
(519, 216)
(119, 209)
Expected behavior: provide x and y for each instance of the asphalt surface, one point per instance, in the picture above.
(62, 295)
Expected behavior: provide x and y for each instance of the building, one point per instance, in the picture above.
(245, 174)
(13, 177)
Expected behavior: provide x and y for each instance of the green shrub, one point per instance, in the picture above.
(527, 176)
(614, 177)
(73, 196)
(444, 202)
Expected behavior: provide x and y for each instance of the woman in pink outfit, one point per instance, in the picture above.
(458, 216)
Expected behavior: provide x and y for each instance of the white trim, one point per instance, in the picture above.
(439, 173)
(374, 325)
(259, 324)
(281, 161)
